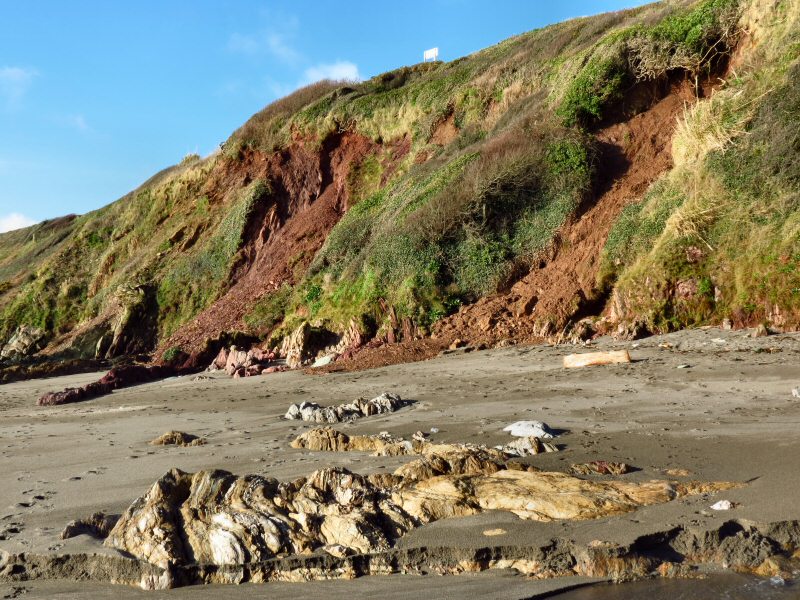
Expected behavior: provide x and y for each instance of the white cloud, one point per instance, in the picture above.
(341, 69)
(13, 221)
(14, 83)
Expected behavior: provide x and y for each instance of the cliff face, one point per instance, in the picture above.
(640, 168)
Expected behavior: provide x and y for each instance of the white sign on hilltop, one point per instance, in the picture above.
(432, 54)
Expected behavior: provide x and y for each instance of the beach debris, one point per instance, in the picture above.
(677, 472)
(177, 438)
(722, 505)
(683, 366)
(436, 429)
(494, 532)
(313, 412)
(323, 361)
(795, 393)
(97, 525)
(216, 518)
(600, 467)
(537, 429)
(588, 359)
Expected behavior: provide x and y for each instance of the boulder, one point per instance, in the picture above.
(220, 362)
(177, 438)
(294, 347)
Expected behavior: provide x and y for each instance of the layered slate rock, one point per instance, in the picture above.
(313, 412)
(214, 517)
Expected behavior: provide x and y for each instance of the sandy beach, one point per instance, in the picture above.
(715, 403)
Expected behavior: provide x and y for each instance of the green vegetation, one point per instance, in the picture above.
(473, 167)
(197, 278)
(727, 217)
(689, 39)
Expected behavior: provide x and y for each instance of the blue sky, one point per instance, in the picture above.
(96, 96)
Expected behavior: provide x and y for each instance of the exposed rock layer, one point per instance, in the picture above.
(216, 518)
(311, 411)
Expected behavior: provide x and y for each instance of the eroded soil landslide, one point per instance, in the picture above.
(693, 408)
(634, 153)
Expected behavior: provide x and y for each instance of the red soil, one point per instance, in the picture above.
(284, 232)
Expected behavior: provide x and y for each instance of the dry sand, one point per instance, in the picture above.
(729, 416)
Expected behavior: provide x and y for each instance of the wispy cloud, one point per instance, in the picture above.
(76, 121)
(275, 41)
(13, 221)
(14, 84)
(341, 69)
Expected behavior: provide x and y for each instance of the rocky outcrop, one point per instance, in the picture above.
(600, 467)
(327, 439)
(177, 438)
(313, 412)
(25, 342)
(135, 329)
(769, 550)
(216, 518)
(244, 363)
(116, 378)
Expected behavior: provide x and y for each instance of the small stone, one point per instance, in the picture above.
(177, 438)
(796, 392)
(722, 505)
(727, 324)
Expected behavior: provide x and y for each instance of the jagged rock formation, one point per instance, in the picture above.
(216, 518)
(327, 439)
(600, 467)
(244, 363)
(25, 341)
(177, 438)
(313, 412)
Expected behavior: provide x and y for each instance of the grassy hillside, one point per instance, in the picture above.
(719, 235)
(471, 170)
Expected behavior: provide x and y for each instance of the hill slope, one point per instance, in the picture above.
(642, 166)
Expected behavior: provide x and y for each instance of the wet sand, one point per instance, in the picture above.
(729, 416)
